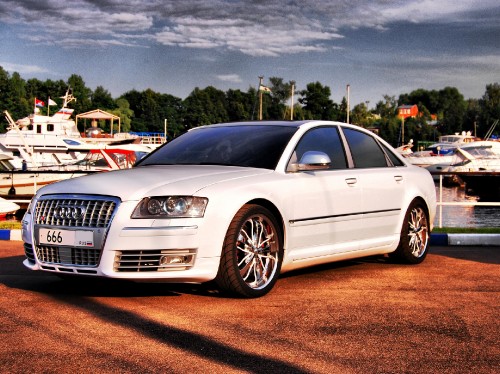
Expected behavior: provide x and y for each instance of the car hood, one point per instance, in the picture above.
(135, 183)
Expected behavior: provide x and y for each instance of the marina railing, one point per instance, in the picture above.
(24, 199)
(441, 203)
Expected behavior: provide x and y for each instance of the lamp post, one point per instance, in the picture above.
(348, 105)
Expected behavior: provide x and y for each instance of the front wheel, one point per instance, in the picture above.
(252, 253)
(414, 240)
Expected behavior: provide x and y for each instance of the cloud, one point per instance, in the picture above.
(244, 36)
(251, 27)
(232, 78)
(24, 69)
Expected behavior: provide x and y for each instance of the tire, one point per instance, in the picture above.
(252, 253)
(415, 234)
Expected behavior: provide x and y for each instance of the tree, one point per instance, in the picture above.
(422, 98)
(317, 103)
(361, 116)
(240, 104)
(5, 97)
(123, 111)
(82, 94)
(343, 110)
(452, 107)
(205, 107)
(490, 106)
(19, 105)
(473, 114)
(102, 99)
(149, 111)
(170, 109)
(281, 93)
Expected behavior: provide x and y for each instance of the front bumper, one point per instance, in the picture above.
(143, 250)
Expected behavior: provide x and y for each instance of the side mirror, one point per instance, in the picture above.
(311, 160)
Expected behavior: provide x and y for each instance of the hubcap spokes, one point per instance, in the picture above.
(257, 252)
(418, 232)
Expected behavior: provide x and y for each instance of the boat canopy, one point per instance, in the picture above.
(99, 114)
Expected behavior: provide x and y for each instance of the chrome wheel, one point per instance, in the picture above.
(257, 252)
(418, 233)
(252, 253)
(414, 239)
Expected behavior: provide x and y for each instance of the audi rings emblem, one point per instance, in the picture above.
(69, 212)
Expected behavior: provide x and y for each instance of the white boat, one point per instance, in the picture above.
(13, 181)
(442, 152)
(44, 140)
(26, 183)
(106, 159)
(478, 156)
(7, 207)
(55, 140)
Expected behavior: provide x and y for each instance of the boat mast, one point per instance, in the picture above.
(68, 98)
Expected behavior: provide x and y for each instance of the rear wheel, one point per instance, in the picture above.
(252, 253)
(415, 233)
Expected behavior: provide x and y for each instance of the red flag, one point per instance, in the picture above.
(39, 102)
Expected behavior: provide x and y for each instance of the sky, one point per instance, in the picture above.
(377, 47)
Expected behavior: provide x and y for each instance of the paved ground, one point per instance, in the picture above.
(367, 316)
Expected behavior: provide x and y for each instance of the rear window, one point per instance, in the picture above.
(365, 150)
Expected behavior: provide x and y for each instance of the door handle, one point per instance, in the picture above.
(398, 178)
(351, 181)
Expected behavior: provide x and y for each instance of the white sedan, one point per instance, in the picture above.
(238, 203)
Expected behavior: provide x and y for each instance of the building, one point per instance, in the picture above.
(407, 111)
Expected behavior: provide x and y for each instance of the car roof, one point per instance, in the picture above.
(295, 124)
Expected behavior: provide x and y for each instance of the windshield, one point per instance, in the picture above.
(237, 145)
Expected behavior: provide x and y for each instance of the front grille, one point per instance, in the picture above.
(153, 260)
(28, 252)
(73, 212)
(68, 255)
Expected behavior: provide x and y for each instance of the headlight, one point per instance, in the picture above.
(171, 207)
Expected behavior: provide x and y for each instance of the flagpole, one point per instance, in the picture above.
(291, 104)
(260, 98)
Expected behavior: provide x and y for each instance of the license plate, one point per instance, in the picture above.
(73, 238)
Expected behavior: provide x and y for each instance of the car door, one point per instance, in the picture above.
(326, 214)
(381, 176)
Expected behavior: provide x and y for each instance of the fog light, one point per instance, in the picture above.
(174, 260)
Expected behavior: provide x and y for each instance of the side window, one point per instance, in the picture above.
(323, 139)
(365, 150)
(395, 161)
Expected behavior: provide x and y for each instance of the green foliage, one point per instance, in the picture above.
(204, 107)
(150, 111)
(82, 94)
(125, 113)
(102, 99)
(317, 103)
(278, 105)
(489, 107)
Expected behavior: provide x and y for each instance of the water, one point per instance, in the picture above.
(465, 216)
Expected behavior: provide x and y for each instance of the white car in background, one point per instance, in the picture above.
(238, 203)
